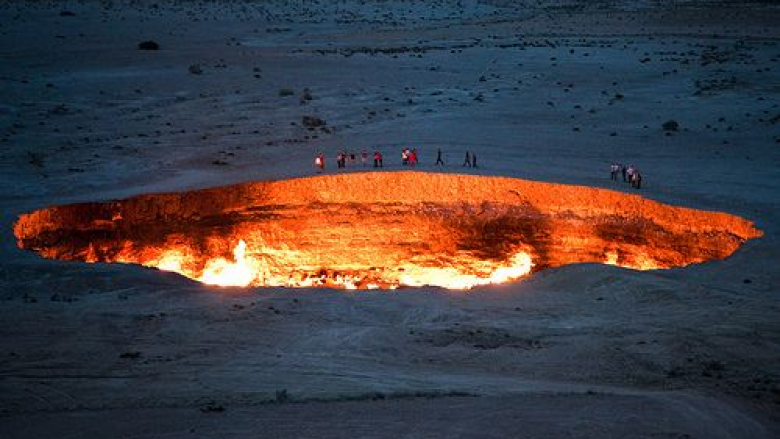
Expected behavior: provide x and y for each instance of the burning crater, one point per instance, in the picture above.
(382, 230)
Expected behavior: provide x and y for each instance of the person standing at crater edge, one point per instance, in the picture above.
(467, 162)
(636, 179)
(439, 160)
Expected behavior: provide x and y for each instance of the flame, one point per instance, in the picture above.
(611, 257)
(246, 269)
(170, 261)
(383, 233)
(450, 277)
(644, 262)
(225, 273)
(640, 261)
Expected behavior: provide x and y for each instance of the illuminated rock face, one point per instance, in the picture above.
(382, 230)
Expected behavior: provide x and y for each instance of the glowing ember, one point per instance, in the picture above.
(383, 232)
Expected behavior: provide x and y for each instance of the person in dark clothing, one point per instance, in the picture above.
(636, 180)
(473, 159)
(376, 159)
(623, 169)
(439, 160)
(467, 162)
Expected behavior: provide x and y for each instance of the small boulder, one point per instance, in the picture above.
(148, 45)
(196, 69)
(133, 355)
(60, 110)
(671, 125)
(306, 96)
(312, 122)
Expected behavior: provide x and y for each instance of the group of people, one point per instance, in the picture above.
(630, 174)
(471, 160)
(409, 157)
(342, 158)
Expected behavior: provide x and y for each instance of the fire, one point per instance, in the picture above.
(640, 261)
(247, 270)
(450, 277)
(239, 273)
(382, 231)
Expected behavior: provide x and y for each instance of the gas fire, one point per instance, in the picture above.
(247, 270)
(382, 231)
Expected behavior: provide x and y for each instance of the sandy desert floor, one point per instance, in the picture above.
(551, 90)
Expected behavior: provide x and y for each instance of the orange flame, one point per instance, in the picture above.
(246, 270)
(225, 273)
(384, 232)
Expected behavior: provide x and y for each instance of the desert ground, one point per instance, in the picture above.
(544, 90)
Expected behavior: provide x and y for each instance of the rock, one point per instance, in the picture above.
(67, 14)
(212, 407)
(671, 125)
(148, 45)
(306, 96)
(35, 159)
(282, 396)
(131, 355)
(312, 122)
(60, 110)
(195, 69)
